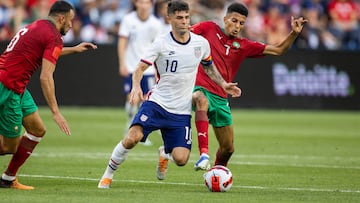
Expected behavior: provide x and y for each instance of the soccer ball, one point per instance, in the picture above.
(218, 179)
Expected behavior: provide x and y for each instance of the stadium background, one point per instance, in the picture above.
(281, 155)
(317, 73)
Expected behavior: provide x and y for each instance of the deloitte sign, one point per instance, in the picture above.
(316, 81)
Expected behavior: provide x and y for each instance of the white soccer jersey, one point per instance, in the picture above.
(140, 35)
(177, 64)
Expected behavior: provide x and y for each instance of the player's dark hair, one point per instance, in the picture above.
(177, 5)
(238, 8)
(60, 7)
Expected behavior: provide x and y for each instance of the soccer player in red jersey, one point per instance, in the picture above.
(228, 50)
(38, 44)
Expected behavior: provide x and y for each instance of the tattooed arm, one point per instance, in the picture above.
(230, 88)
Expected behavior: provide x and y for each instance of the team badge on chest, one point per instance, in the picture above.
(197, 51)
(236, 45)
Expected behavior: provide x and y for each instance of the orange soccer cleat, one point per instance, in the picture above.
(14, 184)
(162, 165)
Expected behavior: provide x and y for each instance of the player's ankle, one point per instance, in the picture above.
(204, 151)
(204, 155)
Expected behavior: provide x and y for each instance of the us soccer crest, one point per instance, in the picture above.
(197, 51)
(143, 117)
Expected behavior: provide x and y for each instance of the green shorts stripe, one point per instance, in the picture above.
(219, 112)
(13, 107)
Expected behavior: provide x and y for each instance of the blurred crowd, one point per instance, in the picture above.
(333, 24)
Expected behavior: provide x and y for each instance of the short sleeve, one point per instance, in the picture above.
(152, 52)
(206, 60)
(53, 48)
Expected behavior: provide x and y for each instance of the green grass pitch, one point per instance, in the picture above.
(280, 156)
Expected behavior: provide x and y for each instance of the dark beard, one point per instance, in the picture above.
(62, 31)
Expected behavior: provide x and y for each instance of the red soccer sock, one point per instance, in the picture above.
(22, 153)
(202, 127)
(222, 158)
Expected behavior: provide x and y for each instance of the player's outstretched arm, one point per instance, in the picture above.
(279, 49)
(230, 88)
(83, 46)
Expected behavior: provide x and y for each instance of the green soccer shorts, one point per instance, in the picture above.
(13, 107)
(219, 112)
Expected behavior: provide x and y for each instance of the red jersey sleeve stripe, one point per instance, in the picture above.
(147, 62)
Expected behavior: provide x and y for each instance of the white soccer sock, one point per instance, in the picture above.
(167, 156)
(118, 156)
(7, 177)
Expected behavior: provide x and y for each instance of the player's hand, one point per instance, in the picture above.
(298, 24)
(83, 46)
(136, 96)
(232, 89)
(62, 123)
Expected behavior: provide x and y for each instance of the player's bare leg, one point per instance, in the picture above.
(34, 131)
(180, 155)
(225, 137)
(202, 127)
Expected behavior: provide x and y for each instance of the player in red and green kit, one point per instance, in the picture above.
(38, 44)
(228, 50)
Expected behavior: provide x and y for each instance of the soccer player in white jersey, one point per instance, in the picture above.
(137, 31)
(176, 57)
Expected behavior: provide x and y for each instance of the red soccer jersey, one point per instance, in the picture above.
(227, 53)
(24, 54)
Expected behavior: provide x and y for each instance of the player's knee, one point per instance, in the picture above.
(129, 142)
(181, 160)
(38, 132)
(228, 149)
(200, 100)
(41, 132)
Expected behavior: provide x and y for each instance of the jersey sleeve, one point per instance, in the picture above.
(207, 59)
(53, 48)
(152, 52)
(254, 49)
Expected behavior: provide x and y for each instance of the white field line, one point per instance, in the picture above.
(274, 160)
(193, 184)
